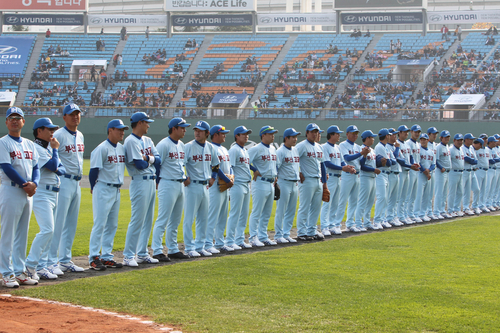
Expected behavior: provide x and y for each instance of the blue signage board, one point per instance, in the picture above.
(414, 62)
(42, 19)
(14, 53)
(381, 18)
(229, 98)
(212, 20)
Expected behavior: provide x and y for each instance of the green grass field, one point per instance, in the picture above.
(430, 278)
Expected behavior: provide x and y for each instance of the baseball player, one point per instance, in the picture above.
(263, 158)
(476, 189)
(443, 166)
(495, 200)
(240, 192)
(407, 163)
(427, 164)
(142, 162)
(367, 191)
(393, 189)
(202, 164)
(20, 176)
(490, 185)
(432, 132)
(170, 181)
(45, 202)
(288, 176)
(414, 147)
(335, 164)
(349, 186)
(483, 158)
(219, 201)
(385, 159)
(455, 192)
(469, 178)
(107, 168)
(71, 148)
(312, 183)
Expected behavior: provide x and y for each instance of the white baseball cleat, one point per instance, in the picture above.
(194, 254)
(486, 210)
(426, 219)
(54, 269)
(353, 229)
(70, 267)
(130, 262)
(213, 250)
(256, 242)
(326, 232)
(227, 248)
(477, 211)
(281, 240)
(10, 281)
(244, 245)
(460, 213)
(290, 239)
(269, 242)
(204, 253)
(146, 260)
(23, 278)
(236, 247)
(45, 274)
(32, 273)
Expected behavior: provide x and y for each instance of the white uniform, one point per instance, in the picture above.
(366, 189)
(427, 161)
(382, 182)
(329, 209)
(71, 148)
(443, 161)
(483, 157)
(404, 179)
(430, 211)
(492, 171)
(15, 205)
(170, 195)
(110, 160)
(456, 189)
(412, 185)
(393, 190)
(469, 177)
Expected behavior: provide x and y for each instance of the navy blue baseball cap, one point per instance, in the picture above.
(445, 133)
(403, 128)
(70, 108)
(432, 130)
(480, 141)
(242, 130)
(367, 134)
(14, 110)
(492, 139)
(469, 136)
(334, 129)
(458, 136)
(290, 132)
(352, 129)
(383, 132)
(117, 123)
(393, 131)
(267, 129)
(178, 122)
(202, 125)
(44, 122)
(312, 127)
(416, 128)
(484, 136)
(218, 129)
(140, 116)
(424, 136)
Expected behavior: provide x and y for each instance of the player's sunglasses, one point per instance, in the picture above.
(15, 118)
(268, 128)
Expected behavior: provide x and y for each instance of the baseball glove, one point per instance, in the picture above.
(326, 195)
(223, 186)
(277, 191)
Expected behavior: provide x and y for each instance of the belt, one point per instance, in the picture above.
(114, 185)
(492, 168)
(334, 174)
(386, 172)
(468, 170)
(356, 173)
(446, 171)
(396, 172)
(15, 185)
(269, 180)
(175, 180)
(77, 178)
(52, 188)
(485, 169)
(202, 182)
(143, 177)
(458, 170)
(291, 180)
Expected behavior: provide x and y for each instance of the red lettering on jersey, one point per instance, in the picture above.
(121, 158)
(208, 157)
(81, 147)
(181, 155)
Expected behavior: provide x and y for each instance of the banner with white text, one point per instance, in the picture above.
(210, 5)
(103, 20)
(296, 19)
(473, 16)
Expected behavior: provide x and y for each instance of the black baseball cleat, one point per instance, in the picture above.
(178, 255)
(111, 263)
(318, 237)
(97, 265)
(304, 238)
(161, 257)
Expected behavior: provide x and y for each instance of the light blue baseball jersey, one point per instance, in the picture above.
(457, 158)
(404, 153)
(492, 155)
(310, 158)
(110, 161)
(427, 157)
(414, 150)
(443, 158)
(370, 161)
(288, 163)
(395, 167)
(350, 148)
(384, 151)
(483, 157)
(47, 176)
(224, 159)
(172, 159)
(469, 152)
(199, 160)
(332, 153)
(264, 158)
(71, 148)
(240, 161)
(135, 148)
(22, 156)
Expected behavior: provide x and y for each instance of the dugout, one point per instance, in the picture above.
(462, 107)
(227, 106)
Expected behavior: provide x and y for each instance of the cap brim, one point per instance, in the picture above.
(184, 125)
(225, 132)
(200, 128)
(71, 111)
(52, 126)
(270, 132)
(148, 120)
(122, 126)
(19, 114)
(321, 131)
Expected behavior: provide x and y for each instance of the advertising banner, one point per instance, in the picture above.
(414, 62)
(381, 18)
(103, 20)
(473, 16)
(210, 5)
(14, 53)
(42, 19)
(346, 4)
(51, 5)
(211, 20)
(296, 19)
(229, 99)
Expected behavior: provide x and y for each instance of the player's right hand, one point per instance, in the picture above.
(365, 151)
(54, 144)
(443, 170)
(29, 188)
(302, 178)
(383, 161)
(187, 181)
(256, 174)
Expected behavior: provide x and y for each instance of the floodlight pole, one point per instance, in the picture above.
(254, 23)
(1, 22)
(85, 22)
(169, 25)
(337, 21)
(424, 22)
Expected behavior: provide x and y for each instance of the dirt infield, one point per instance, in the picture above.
(26, 315)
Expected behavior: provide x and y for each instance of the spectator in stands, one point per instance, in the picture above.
(117, 75)
(47, 33)
(147, 32)
(58, 49)
(93, 72)
(392, 46)
(367, 33)
(189, 43)
(458, 32)
(85, 85)
(490, 40)
(444, 32)
(61, 69)
(98, 45)
(123, 33)
(354, 33)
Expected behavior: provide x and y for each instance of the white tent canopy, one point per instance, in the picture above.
(459, 102)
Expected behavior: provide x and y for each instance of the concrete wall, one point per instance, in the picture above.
(94, 129)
